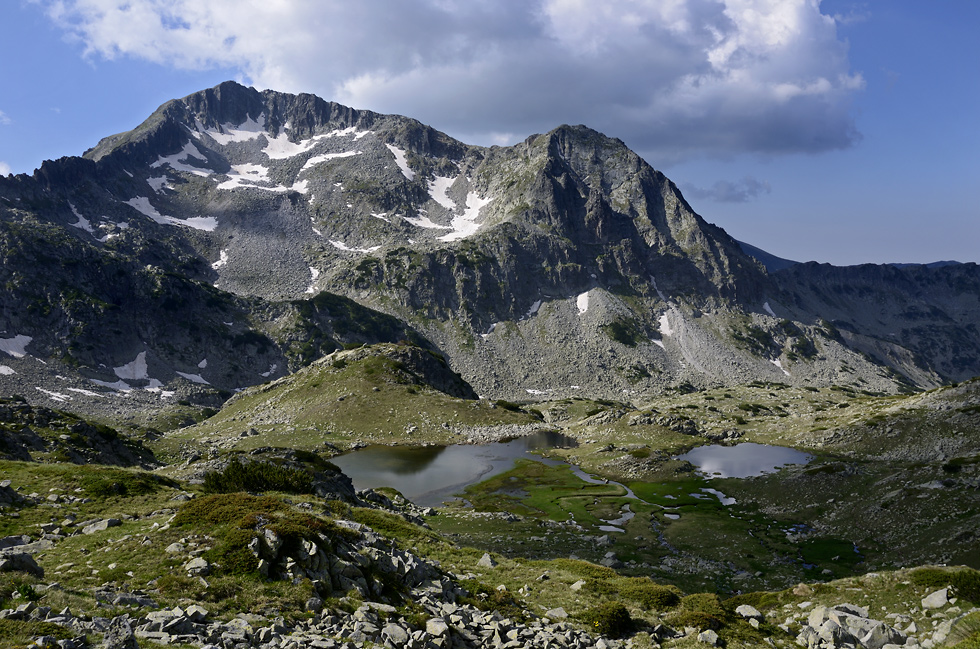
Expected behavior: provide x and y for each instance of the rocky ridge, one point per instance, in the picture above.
(276, 228)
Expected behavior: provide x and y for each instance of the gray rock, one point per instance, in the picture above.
(437, 627)
(556, 613)
(395, 634)
(197, 566)
(119, 635)
(20, 562)
(101, 525)
(486, 561)
(709, 637)
(938, 599)
(749, 612)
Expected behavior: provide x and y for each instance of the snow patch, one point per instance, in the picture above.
(401, 161)
(383, 217)
(465, 224)
(142, 204)
(135, 370)
(439, 191)
(534, 309)
(317, 159)
(425, 222)
(178, 161)
(6, 371)
(279, 148)
(222, 260)
(118, 386)
(203, 364)
(247, 130)
(55, 396)
(87, 393)
(193, 378)
(583, 302)
(246, 175)
(342, 246)
(659, 343)
(656, 288)
(272, 368)
(83, 223)
(16, 346)
(778, 363)
(665, 326)
(157, 183)
(768, 309)
(314, 273)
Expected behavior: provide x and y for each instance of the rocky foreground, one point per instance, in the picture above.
(365, 568)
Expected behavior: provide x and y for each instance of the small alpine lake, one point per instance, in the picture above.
(429, 475)
(742, 460)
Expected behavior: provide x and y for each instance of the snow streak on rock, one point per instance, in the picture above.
(401, 161)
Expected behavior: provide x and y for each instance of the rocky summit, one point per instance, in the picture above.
(198, 316)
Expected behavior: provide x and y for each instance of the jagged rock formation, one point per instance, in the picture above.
(238, 235)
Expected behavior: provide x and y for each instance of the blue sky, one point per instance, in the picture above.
(838, 131)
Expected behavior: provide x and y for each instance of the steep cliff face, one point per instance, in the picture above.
(238, 235)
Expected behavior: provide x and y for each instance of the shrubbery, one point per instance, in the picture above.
(609, 618)
(650, 595)
(965, 582)
(700, 610)
(258, 477)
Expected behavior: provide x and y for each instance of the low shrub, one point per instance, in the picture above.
(609, 618)
(649, 595)
(105, 483)
(700, 610)
(258, 477)
(965, 582)
(488, 599)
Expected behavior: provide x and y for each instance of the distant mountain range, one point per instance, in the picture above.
(236, 236)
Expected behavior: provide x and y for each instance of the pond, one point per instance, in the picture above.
(429, 475)
(742, 460)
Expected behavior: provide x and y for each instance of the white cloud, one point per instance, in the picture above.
(674, 78)
(5, 168)
(4, 120)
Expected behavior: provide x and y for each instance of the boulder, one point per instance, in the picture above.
(938, 599)
(102, 525)
(486, 561)
(749, 612)
(119, 635)
(709, 637)
(197, 566)
(20, 562)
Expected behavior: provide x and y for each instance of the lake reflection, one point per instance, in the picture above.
(743, 460)
(429, 475)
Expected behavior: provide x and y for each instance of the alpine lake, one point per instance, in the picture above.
(512, 498)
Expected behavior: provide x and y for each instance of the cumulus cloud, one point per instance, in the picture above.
(4, 168)
(675, 79)
(4, 120)
(727, 191)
